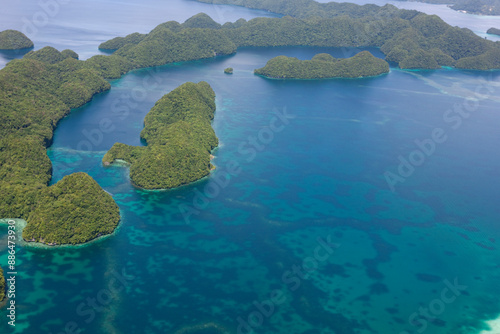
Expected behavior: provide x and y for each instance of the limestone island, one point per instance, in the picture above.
(323, 66)
(228, 70)
(411, 39)
(73, 211)
(14, 40)
(2, 286)
(42, 88)
(36, 92)
(493, 31)
(179, 138)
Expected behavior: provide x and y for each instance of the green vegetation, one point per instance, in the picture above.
(13, 40)
(483, 7)
(2, 285)
(493, 31)
(163, 46)
(118, 42)
(407, 38)
(179, 140)
(48, 55)
(307, 8)
(36, 92)
(73, 211)
(228, 70)
(490, 59)
(364, 64)
(39, 90)
(201, 20)
(69, 53)
(197, 38)
(109, 67)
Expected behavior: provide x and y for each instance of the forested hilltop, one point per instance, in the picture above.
(323, 65)
(493, 31)
(13, 40)
(36, 92)
(40, 89)
(312, 8)
(179, 140)
(2, 285)
(482, 7)
(408, 38)
(72, 211)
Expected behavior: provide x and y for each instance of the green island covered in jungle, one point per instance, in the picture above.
(479, 7)
(42, 88)
(493, 31)
(179, 139)
(323, 65)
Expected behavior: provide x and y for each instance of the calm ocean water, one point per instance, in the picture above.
(337, 206)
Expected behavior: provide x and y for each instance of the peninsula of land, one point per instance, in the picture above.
(493, 31)
(2, 286)
(40, 89)
(323, 65)
(408, 38)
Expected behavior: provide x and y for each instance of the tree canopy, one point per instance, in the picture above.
(13, 40)
(2, 285)
(179, 139)
(36, 92)
(493, 31)
(75, 210)
(408, 38)
(363, 64)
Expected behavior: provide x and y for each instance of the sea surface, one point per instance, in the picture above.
(365, 206)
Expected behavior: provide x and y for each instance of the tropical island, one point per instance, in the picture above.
(73, 211)
(36, 92)
(228, 70)
(323, 65)
(408, 38)
(179, 138)
(2, 286)
(493, 31)
(481, 7)
(14, 40)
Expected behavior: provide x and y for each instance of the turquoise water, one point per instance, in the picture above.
(297, 230)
